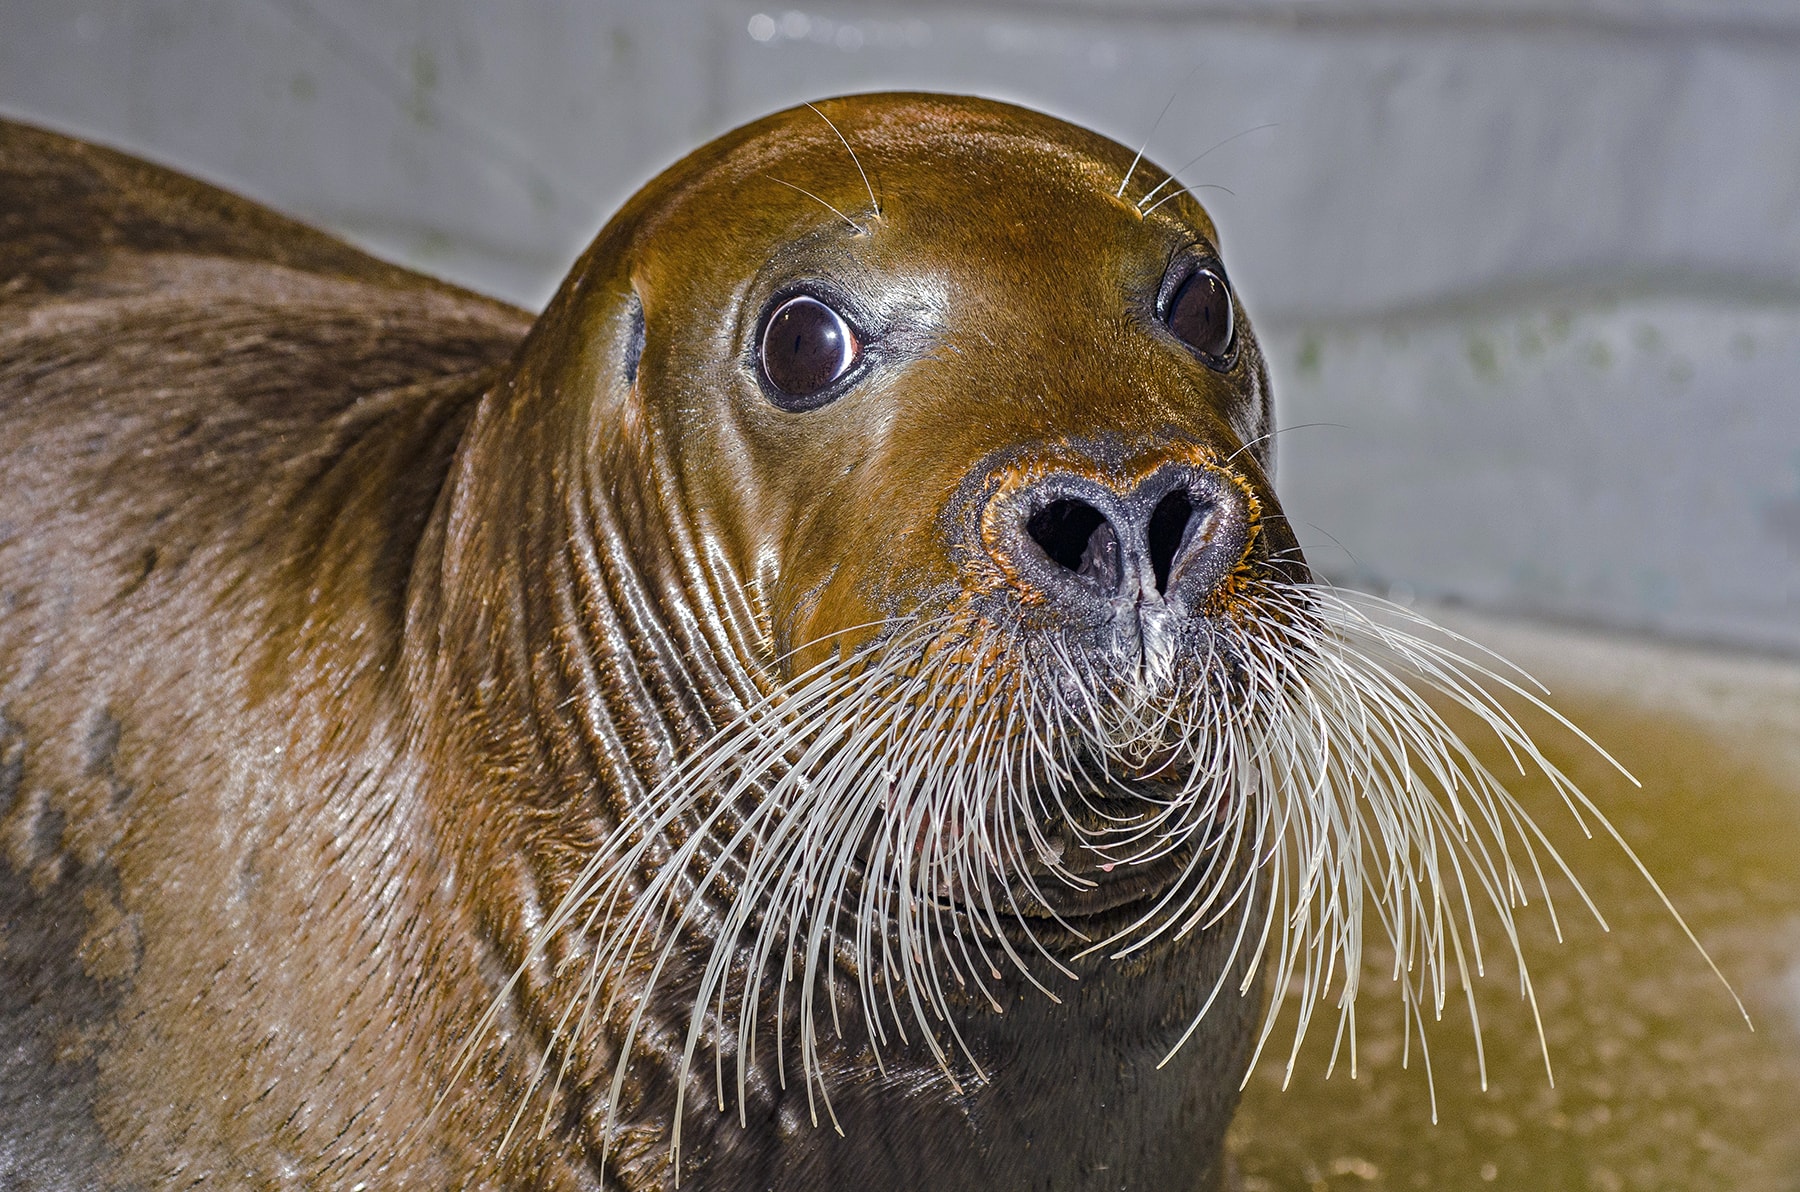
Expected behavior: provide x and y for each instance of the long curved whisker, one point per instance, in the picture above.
(896, 831)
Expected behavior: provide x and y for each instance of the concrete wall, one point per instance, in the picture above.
(1529, 270)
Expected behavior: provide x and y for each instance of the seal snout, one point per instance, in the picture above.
(1089, 547)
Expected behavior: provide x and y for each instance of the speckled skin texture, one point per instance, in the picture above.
(344, 613)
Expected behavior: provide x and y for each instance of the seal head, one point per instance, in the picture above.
(866, 443)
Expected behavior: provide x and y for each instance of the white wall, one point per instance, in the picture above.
(1529, 271)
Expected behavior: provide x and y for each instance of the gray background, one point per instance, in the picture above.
(1528, 272)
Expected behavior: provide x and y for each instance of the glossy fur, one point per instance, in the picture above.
(342, 613)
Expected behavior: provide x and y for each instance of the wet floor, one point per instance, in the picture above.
(1659, 1084)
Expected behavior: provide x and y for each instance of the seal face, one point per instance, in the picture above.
(903, 434)
(843, 665)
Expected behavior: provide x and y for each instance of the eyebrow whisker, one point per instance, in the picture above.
(1188, 190)
(815, 198)
(1195, 161)
(854, 160)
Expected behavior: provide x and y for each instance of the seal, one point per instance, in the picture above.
(834, 701)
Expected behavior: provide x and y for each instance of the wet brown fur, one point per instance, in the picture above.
(225, 433)
(303, 556)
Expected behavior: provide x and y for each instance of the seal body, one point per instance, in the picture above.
(352, 624)
(214, 421)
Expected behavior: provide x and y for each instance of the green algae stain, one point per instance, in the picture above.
(1559, 326)
(1483, 358)
(543, 195)
(1530, 342)
(1308, 360)
(423, 71)
(433, 244)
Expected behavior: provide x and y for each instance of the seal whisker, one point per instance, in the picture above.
(659, 810)
(1381, 705)
(1328, 779)
(1154, 125)
(1187, 190)
(1193, 162)
(858, 228)
(874, 204)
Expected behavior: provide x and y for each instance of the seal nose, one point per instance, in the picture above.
(1171, 539)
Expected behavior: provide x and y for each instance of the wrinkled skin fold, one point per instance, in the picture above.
(477, 751)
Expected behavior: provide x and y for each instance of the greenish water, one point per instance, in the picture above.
(1658, 1082)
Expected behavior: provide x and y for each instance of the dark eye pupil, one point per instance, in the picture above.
(806, 347)
(1200, 314)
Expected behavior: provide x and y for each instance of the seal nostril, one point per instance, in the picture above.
(1100, 559)
(1077, 537)
(1168, 526)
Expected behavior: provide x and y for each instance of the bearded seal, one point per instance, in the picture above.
(833, 701)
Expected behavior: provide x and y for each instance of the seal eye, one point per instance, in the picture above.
(1200, 315)
(805, 347)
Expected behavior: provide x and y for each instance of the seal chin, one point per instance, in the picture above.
(1115, 845)
(1097, 897)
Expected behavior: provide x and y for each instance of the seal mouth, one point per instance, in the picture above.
(1112, 887)
(1107, 861)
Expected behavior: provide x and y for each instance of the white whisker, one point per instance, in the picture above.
(893, 834)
